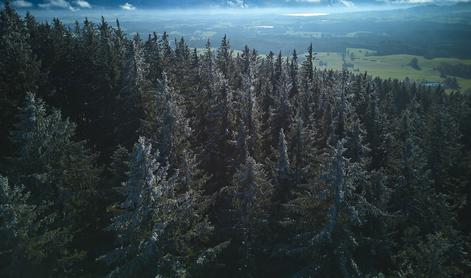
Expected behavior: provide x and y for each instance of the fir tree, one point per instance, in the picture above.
(251, 193)
(224, 56)
(31, 245)
(19, 69)
(159, 224)
(307, 68)
(57, 170)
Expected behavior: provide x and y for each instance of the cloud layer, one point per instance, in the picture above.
(57, 4)
(127, 7)
(22, 4)
(83, 4)
(74, 5)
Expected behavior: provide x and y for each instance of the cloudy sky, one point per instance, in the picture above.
(131, 5)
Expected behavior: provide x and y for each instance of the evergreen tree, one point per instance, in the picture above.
(167, 52)
(424, 212)
(166, 125)
(31, 246)
(157, 227)
(135, 96)
(282, 171)
(251, 193)
(224, 56)
(59, 172)
(293, 74)
(136, 226)
(331, 237)
(19, 69)
(281, 110)
(250, 113)
(307, 68)
(153, 57)
(217, 129)
(442, 147)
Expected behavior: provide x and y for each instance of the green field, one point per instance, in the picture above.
(391, 66)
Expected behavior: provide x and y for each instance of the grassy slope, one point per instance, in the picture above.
(392, 66)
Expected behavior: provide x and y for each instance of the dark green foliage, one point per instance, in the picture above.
(19, 69)
(414, 63)
(251, 167)
(158, 223)
(250, 193)
(31, 242)
(459, 70)
(61, 176)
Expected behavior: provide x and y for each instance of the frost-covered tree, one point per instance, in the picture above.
(442, 147)
(165, 124)
(224, 56)
(49, 162)
(303, 150)
(250, 113)
(329, 241)
(138, 227)
(31, 246)
(135, 96)
(282, 170)
(424, 212)
(281, 111)
(19, 68)
(217, 132)
(250, 193)
(153, 57)
(293, 74)
(58, 171)
(167, 52)
(157, 227)
(307, 69)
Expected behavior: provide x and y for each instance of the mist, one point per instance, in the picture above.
(386, 28)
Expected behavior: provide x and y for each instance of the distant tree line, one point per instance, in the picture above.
(144, 158)
(458, 70)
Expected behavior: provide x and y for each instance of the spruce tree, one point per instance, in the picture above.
(250, 192)
(157, 227)
(31, 246)
(224, 57)
(281, 109)
(19, 69)
(328, 242)
(135, 96)
(61, 173)
(424, 212)
(307, 68)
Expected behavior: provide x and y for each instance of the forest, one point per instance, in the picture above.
(128, 155)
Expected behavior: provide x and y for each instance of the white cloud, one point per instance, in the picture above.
(347, 4)
(128, 7)
(410, 1)
(416, 2)
(306, 14)
(57, 4)
(83, 4)
(22, 4)
(309, 1)
(237, 3)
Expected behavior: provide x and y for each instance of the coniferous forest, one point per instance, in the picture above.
(137, 156)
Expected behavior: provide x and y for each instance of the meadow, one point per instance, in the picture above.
(391, 66)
